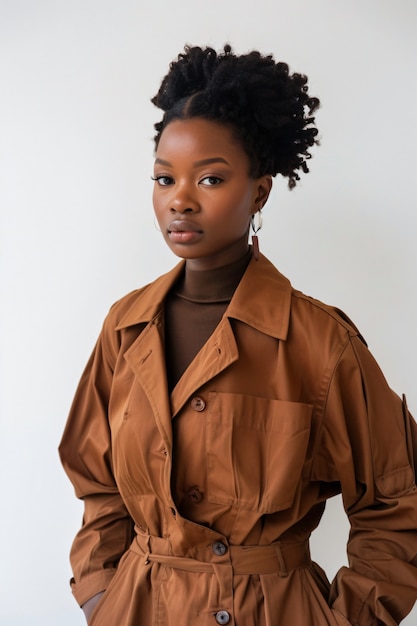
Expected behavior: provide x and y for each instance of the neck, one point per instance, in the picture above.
(223, 258)
(212, 285)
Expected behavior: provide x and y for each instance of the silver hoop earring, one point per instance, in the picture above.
(256, 226)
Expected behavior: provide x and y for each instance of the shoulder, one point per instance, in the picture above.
(123, 305)
(141, 305)
(327, 314)
(267, 300)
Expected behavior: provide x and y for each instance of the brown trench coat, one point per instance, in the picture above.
(224, 481)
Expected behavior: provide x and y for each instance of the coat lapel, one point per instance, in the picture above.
(146, 357)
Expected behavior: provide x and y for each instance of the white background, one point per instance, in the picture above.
(77, 226)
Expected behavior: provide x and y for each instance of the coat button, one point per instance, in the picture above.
(198, 404)
(219, 549)
(222, 617)
(195, 495)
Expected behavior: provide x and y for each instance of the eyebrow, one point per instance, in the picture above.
(160, 161)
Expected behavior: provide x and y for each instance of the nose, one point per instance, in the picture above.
(183, 200)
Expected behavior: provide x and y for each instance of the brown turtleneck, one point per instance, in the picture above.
(193, 308)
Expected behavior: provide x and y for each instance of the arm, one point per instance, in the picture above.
(366, 442)
(85, 452)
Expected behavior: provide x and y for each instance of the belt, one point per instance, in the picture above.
(279, 557)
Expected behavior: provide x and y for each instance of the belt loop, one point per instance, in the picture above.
(283, 572)
(148, 549)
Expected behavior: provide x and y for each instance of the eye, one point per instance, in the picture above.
(163, 180)
(211, 180)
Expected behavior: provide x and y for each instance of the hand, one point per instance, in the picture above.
(89, 606)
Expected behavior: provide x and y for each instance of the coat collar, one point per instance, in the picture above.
(262, 299)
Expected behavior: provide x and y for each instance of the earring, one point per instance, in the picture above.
(256, 226)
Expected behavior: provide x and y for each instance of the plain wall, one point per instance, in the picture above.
(77, 230)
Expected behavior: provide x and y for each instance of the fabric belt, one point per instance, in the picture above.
(279, 557)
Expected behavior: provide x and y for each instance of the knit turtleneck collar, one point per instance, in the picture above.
(209, 286)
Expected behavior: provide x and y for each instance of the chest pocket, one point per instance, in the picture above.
(255, 451)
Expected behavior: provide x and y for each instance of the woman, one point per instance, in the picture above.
(221, 407)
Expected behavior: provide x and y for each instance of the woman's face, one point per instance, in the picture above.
(203, 195)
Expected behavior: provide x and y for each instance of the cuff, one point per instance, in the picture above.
(90, 585)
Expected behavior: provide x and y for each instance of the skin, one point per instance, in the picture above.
(203, 195)
(90, 605)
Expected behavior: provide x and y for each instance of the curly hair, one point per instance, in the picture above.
(268, 108)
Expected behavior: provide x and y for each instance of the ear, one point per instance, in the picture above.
(263, 186)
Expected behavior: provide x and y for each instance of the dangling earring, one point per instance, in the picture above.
(256, 227)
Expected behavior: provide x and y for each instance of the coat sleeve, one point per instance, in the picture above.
(86, 455)
(369, 443)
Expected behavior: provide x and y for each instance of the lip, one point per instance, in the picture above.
(183, 226)
(182, 231)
